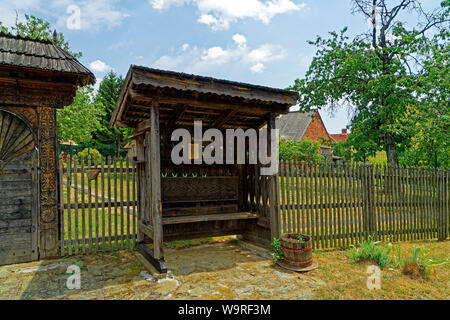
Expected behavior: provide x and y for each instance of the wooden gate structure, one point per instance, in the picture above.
(36, 78)
(196, 200)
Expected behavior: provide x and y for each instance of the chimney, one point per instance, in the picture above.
(344, 131)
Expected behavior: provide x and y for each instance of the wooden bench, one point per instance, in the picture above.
(210, 217)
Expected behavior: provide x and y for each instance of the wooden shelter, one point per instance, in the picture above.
(36, 78)
(192, 200)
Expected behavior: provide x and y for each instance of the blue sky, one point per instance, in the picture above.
(256, 41)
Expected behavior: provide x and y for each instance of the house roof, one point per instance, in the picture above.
(41, 55)
(184, 98)
(339, 137)
(293, 125)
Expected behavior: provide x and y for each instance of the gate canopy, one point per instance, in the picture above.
(38, 73)
(183, 98)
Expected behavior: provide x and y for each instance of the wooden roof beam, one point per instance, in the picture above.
(224, 118)
(252, 109)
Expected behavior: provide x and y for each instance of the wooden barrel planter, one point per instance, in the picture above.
(297, 254)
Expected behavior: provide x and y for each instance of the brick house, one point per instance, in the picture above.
(300, 125)
(340, 137)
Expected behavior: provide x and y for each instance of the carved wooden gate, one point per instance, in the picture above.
(18, 191)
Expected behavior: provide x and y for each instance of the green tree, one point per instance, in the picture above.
(37, 28)
(379, 73)
(107, 96)
(78, 121)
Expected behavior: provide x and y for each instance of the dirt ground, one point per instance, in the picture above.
(225, 270)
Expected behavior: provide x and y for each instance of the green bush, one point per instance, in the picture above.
(277, 250)
(94, 153)
(304, 150)
(368, 251)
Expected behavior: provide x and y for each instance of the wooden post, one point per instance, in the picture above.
(273, 186)
(155, 161)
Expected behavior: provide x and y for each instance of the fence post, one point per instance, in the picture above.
(368, 200)
(441, 203)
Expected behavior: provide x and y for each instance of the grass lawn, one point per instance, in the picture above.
(348, 281)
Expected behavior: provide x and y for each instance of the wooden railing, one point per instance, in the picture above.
(98, 204)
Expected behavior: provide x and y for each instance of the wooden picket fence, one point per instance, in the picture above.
(338, 204)
(343, 204)
(98, 204)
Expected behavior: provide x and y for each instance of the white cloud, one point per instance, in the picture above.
(219, 14)
(94, 14)
(184, 47)
(206, 60)
(99, 66)
(240, 39)
(257, 68)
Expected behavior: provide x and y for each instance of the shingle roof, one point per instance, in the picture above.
(43, 55)
(294, 125)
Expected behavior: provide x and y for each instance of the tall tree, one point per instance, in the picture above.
(78, 121)
(107, 96)
(378, 73)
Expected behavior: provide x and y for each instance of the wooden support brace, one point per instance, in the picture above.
(159, 264)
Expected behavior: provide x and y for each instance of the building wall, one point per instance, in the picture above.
(316, 130)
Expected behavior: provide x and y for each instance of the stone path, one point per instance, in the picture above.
(215, 271)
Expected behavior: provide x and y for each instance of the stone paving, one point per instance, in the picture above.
(227, 270)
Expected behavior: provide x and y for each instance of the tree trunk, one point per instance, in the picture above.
(392, 162)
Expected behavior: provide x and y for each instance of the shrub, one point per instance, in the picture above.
(304, 150)
(368, 251)
(94, 153)
(419, 264)
(277, 250)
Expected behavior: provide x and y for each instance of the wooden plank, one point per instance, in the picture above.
(315, 214)
(303, 193)
(199, 189)
(158, 263)
(298, 200)
(89, 204)
(283, 198)
(414, 212)
(322, 195)
(156, 182)
(83, 200)
(110, 213)
(102, 171)
(330, 220)
(288, 196)
(135, 209)
(128, 237)
(116, 210)
(69, 212)
(96, 209)
(75, 180)
(122, 237)
(205, 218)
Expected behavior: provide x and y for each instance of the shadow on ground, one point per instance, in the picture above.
(213, 271)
